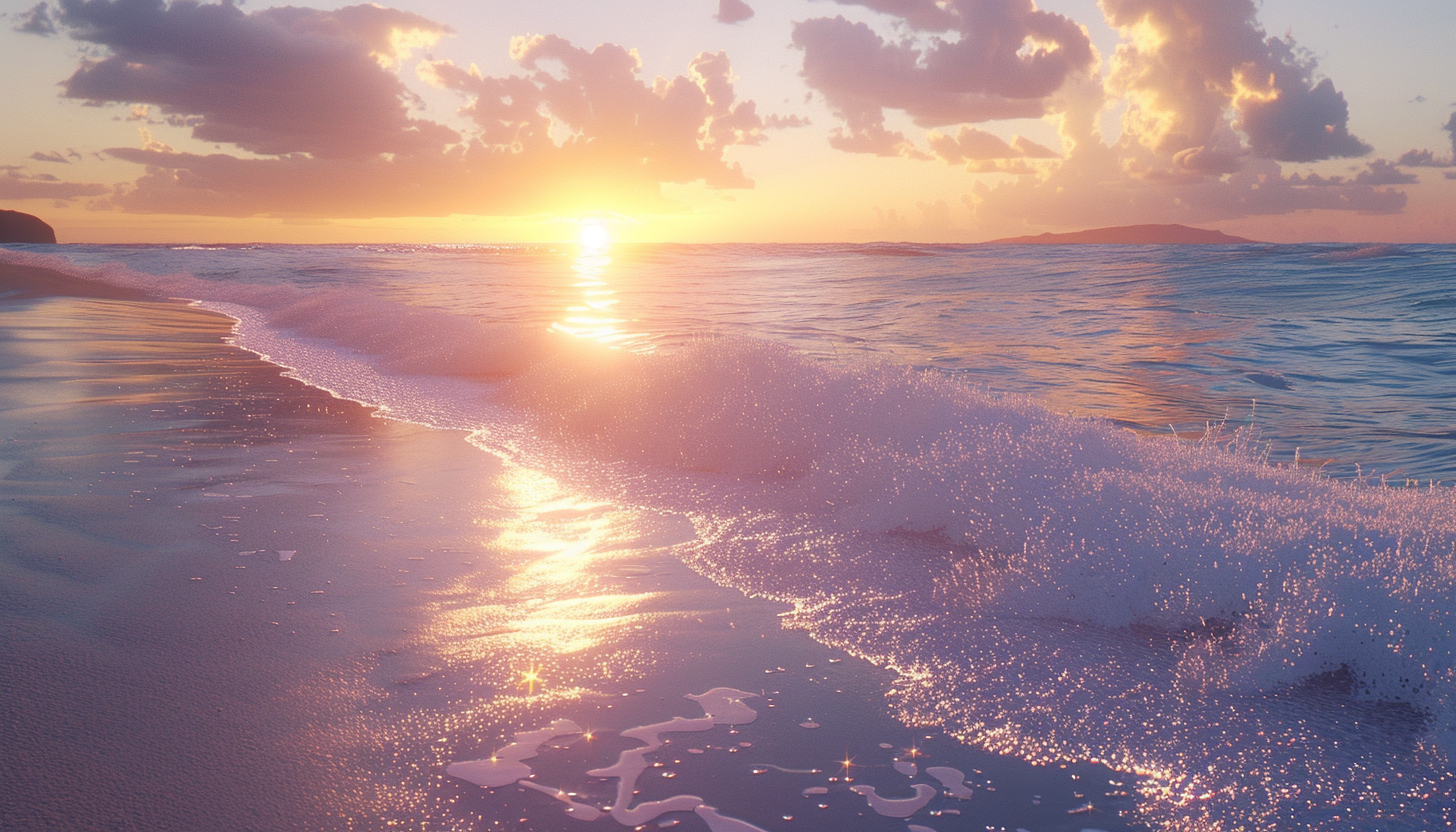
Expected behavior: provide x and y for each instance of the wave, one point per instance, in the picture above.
(1051, 587)
(1261, 645)
(1368, 252)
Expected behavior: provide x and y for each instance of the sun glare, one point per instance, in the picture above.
(594, 236)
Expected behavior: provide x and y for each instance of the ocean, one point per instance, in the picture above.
(728, 537)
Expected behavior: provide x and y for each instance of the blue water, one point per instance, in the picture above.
(1342, 355)
(1230, 571)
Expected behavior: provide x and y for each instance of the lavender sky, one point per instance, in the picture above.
(728, 120)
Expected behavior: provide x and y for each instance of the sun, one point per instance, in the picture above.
(594, 236)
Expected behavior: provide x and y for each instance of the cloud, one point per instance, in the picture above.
(1423, 159)
(274, 81)
(480, 180)
(666, 131)
(1382, 172)
(733, 11)
(50, 156)
(1378, 172)
(973, 145)
(15, 184)
(1212, 107)
(1428, 159)
(1006, 59)
(1095, 187)
(1184, 64)
(36, 21)
(297, 185)
(315, 95)
(778, 122)
(934, 222)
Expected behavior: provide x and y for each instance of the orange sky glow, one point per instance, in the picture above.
(728, 120)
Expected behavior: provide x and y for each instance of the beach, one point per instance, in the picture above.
(887, 415)
(234, 601)
(281, 556)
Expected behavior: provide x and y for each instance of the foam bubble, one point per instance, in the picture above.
(504, 766)
(896, 807)
(721, 706)
(952, 780)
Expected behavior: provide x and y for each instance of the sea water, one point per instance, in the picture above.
(1183, 511)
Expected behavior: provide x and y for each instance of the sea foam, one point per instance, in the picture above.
(1259, 644)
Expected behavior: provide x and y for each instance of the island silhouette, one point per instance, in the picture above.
(18, 227)
(1138, 235)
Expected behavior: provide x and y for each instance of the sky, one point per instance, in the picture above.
(478, 121)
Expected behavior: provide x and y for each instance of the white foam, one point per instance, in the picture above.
(652, 809)
(505, 766)
(489, 773)
(893, 807)
(725, 706)
(652, 734)
(721, 706)
(953, 780)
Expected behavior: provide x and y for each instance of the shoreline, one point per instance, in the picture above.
(148, 517)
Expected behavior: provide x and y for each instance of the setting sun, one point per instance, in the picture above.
(594, 236)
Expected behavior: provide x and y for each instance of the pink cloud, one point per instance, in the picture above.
(1213, 106)
(274, 81)
(667, 130)
(1006, 60)
(36, 21)
(733, 11)
(316, 95)
(473, 180)
(1099, 186)
(971, 145)
(1423, 159)
(1185, 64)
(16, 184)
(1428, 159)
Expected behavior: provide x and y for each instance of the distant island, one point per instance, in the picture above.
(18, 227)
(1136, 235)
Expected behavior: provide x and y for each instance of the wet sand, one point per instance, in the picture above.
(231, 601)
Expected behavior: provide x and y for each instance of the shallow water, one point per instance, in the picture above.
(233, 602)
(1247, 645)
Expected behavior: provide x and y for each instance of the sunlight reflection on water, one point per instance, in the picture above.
(592, 316)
